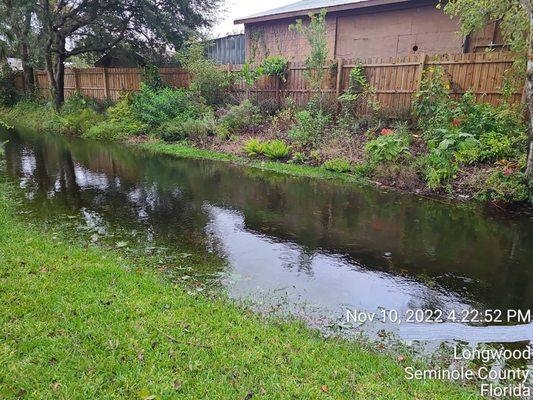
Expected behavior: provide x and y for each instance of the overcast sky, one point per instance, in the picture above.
(234, 9)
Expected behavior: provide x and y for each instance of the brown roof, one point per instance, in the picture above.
(305, 7)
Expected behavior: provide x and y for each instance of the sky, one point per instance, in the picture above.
(234, 9)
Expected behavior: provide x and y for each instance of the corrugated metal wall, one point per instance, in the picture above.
(227, 50)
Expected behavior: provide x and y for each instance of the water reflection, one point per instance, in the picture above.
(314, 244)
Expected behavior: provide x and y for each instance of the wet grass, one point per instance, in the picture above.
(80, 321)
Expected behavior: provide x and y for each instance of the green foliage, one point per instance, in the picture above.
(208, 80)
(298, 158)
(275, 66)
(75, 122)
(316, 34)
(78, 101)
(240, 117)
(358, 91)
(153, 107)
(196, 129)
(309, 128)
(8, 94)
(338, 165)
(114, 130)
(391, 147)
(503, 187)
(276, 148)
(253, 147)
(439, 169)
(151, 77)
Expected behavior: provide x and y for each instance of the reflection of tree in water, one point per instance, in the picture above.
(166, 195)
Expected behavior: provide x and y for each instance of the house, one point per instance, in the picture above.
(227, 50)
(364, 29)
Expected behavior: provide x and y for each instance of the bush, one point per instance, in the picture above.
(8, 94)
(439, 169)
(309, 128)
(240, 117)
(275, 66)
(208, 80)
(154, 107)
(152, 78)
(76, 122)
(276, 148)
(388, 147)
(115, 130)
(505, 187)
(78, 101)
(298, 158)
(254, 147)
(338, 165)
(180, 129)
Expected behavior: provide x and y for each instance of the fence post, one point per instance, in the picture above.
(106, 86)
(420, 73)
(339, 77)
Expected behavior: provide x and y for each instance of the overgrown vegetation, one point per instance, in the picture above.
(451, 146)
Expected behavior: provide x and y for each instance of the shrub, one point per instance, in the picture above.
(241, 116)
(208, 80)
(309, 128)
(338, 165)
(388, 147)
(8, 94)
(75, 123)
(153, 107)
(505, 187)
(115, 130)
(78, 101)
(152, 78)
(179, 129)
(276, 148)
(299, 158)
(439, 169)
(275, 66)
(254, 147)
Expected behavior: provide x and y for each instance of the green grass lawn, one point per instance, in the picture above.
(81, 322)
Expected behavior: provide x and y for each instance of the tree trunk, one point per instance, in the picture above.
(27, 69)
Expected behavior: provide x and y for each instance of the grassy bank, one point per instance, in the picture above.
(81, 322)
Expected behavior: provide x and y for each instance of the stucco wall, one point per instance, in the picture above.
(363, 34)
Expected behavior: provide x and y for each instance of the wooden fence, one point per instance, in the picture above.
(394, 80)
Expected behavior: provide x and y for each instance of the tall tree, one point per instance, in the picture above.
(17, 29)
(78, 27)
(516, 22)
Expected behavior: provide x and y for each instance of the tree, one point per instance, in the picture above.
(516, 22)
(78, 27)
(18, 32)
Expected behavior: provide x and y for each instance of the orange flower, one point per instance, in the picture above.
(386, 131)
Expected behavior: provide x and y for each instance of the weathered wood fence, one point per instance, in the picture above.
(395, 80)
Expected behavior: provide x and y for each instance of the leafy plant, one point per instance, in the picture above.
(75, 122)
(316, 34)
(388, 147)
(276, 148)
(151, 77)
(298, 158)
(241, 116)
(153, 107)
(208, 80)
(8, 94)
(309, 128)
(338, 165)
(275, 66)
(181, 128)
(504, 187)
(439, 169)
(253, 147)
(114, 130)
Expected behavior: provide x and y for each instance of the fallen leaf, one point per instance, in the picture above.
(177, 384)
(325, 388)
(55, 385)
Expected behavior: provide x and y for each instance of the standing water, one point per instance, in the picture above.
(311, 247)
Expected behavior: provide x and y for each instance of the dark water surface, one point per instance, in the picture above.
(312, 247)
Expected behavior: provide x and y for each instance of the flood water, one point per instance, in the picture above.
(313, 248)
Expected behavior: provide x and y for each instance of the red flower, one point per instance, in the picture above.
(386, 131)
(508, 171)
(456, 122)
